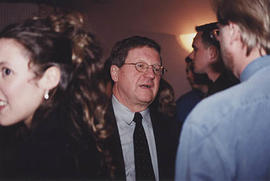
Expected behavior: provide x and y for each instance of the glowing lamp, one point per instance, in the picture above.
(186, 41)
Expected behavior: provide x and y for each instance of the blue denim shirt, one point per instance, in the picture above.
(227, 136)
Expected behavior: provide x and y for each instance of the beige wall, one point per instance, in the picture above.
(111, 22)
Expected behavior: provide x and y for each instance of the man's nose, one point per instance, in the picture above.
(191, 55)
(150, 72)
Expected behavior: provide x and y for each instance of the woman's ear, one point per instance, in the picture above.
(114, 73)
(50, 78)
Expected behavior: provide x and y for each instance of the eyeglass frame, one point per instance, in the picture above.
(160, 73)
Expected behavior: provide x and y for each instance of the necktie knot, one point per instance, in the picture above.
(137, 118)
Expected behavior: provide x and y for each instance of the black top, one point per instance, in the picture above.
(49, 151)
(224, 81)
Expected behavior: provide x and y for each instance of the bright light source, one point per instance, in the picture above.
(186, 41)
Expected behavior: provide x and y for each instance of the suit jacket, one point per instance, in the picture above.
(166, 135)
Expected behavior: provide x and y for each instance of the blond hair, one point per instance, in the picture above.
(252, 16)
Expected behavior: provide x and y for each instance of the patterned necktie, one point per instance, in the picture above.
(143, 164)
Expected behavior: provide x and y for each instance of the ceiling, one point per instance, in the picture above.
(163, 16)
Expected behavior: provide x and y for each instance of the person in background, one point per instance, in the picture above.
(199, 84)
(226, 137)
(52, 101)
(136, 71)
(206, 58)
(165, 101)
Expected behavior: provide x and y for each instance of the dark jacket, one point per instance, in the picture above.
(48, 152)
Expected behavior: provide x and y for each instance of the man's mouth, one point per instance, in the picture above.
(146, 86)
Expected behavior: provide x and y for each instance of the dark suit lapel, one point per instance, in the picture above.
(166, 143)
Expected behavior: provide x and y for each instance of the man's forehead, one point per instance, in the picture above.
(143, 52)
(197, 39)
(198, 36)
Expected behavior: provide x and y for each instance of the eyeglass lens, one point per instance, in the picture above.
(142, 67)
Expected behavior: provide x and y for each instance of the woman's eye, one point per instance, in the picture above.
(6, 71)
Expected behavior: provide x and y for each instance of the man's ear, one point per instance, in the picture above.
(234, 32)
(50, 78)
(213, 53)
(114, 73)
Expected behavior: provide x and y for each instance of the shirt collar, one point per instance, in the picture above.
(123, 113)
(254, 66)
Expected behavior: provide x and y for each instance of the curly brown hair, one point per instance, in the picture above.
(59, 40)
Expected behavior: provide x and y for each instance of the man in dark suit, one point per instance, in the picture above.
(136, 71)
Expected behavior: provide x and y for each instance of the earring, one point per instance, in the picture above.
(46, 95)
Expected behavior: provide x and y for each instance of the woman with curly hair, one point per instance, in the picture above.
(52, 101)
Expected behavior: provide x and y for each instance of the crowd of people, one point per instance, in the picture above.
(66, 114)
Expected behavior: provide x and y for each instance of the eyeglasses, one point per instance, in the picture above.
(143, 67)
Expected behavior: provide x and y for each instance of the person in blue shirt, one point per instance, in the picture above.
(199, 84)
(226, 136)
